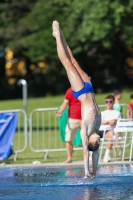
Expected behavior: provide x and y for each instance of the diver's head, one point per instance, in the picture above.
(93, 142)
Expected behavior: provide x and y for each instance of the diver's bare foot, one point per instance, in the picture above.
(56, 28)
(67, 161)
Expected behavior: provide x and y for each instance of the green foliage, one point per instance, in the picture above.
(99, 33)
(90, 21)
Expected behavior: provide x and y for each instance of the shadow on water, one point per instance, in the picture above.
(112, 182)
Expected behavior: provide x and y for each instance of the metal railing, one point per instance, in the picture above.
(44, 130)
(44, 135)
(125, 141)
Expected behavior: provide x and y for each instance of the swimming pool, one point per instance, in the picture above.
(66, 182)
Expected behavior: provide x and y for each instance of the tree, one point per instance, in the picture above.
(98, 32)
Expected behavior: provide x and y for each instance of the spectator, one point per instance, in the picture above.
(117, 107)
(74, 120)
(118, 96)
(130, 108)
(109, 119)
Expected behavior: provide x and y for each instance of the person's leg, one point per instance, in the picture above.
(71, 129)
(74, 77)
(69, 148)
(108, 135)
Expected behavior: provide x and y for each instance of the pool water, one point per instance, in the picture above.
(66, 183)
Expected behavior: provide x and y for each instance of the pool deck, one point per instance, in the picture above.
(74, 163)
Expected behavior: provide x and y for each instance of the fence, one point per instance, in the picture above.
(44, 133)
(45, 136)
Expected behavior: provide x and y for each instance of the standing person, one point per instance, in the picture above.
(109, 120)
(82, 90)
(130, 108)
(117, 107)
(74, 120)
(118, 96)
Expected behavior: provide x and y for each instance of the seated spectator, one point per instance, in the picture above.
(130, 108)
(109, 120)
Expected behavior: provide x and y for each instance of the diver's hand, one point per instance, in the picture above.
(88, 175)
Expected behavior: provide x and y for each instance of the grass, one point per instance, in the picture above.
(29, 156)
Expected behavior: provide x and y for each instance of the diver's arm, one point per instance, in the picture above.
(94, 162)
(86, 164)
(86, 155)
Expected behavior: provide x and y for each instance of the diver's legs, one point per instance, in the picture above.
(84, 76)
(64, 56)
